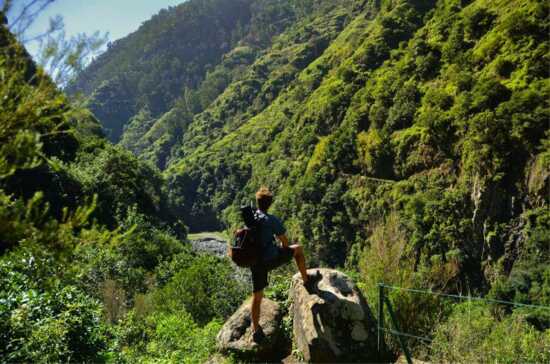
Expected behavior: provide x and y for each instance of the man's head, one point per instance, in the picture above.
(264, 197)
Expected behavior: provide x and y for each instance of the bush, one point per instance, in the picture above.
(474, 335)
(388, 259)
(122, 268)
(165, 337)
(41, 318)
(204, 286)
(180, 339)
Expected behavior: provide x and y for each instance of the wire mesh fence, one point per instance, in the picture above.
(394, 329)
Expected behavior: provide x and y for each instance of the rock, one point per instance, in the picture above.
(213, 245)
(235, 337)
(210, 245)
(334, 322)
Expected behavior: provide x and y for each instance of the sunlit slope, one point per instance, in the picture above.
(436, 111)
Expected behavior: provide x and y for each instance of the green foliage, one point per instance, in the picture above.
(45, 317)
(475, 333)
(389, 259)
(129, 259)
(58, 325)
(183, 314)
(179, 339)
(171, 338)
(278, 290)
(63, 271)
(404, 139)
(200, 286)
(35, 124)
(121, 181)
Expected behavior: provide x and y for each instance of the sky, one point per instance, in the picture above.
(118, 17)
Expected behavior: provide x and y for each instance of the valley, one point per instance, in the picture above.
(406, 143)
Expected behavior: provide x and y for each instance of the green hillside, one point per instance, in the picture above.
(434, 111)
(173, 53)
(437, 113)
(407, 142)
(87, 234)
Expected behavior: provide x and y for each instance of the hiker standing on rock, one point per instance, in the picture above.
(272, 255)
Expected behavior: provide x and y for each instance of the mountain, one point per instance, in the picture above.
(147, 87)
(350, 111)
(405, 140)
(147, 71)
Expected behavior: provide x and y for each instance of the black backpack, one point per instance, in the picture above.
(246, 248)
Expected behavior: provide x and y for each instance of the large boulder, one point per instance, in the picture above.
(332, 323)
(235, 337)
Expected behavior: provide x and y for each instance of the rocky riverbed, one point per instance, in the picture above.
(215, 245)
(210, 244)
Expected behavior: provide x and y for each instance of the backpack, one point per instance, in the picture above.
(246, 248)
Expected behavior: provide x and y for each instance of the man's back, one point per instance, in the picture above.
(271, 227)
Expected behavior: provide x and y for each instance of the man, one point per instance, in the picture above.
(273, 256)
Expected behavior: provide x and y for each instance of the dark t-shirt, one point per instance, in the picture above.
(271, 227)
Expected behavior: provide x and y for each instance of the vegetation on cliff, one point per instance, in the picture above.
(395, 133)
(88, 240)
(406, 142)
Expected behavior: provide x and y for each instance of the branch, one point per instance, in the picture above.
(26, 17)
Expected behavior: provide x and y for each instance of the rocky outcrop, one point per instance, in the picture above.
(235, 337)
(332, 323)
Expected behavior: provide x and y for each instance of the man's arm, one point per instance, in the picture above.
(283, 239)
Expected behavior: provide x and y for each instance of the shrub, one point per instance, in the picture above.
(164, 337)
(388, 259)
(204, 287)
(178, 339)
(41, 319)
(474, 335)
(372, 152)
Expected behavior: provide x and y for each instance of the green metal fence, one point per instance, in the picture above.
(394, 329)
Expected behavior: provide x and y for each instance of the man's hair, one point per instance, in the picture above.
(264, 197)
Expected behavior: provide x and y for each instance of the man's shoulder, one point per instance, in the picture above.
(276, 224)
(273, 217)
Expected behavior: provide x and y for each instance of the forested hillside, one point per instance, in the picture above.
(171, 55)
(436, 112)
(407, 142)
(92, 256)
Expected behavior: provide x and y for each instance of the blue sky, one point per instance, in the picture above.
(118, 17)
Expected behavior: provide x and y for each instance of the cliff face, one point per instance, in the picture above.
(352, 111)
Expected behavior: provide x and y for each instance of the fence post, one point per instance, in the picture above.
(380, 318)
(397, 328)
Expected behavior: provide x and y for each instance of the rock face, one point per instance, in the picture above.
(332, 323)
(235, 337)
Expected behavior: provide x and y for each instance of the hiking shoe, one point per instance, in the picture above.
(312, 280)
(258, 336)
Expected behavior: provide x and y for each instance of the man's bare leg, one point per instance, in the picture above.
(256, 304)
(300, 258)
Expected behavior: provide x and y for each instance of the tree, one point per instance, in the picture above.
(61, 57)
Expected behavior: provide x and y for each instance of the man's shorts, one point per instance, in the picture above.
(260, 270)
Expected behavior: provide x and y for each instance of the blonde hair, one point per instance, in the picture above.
(264, 197)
